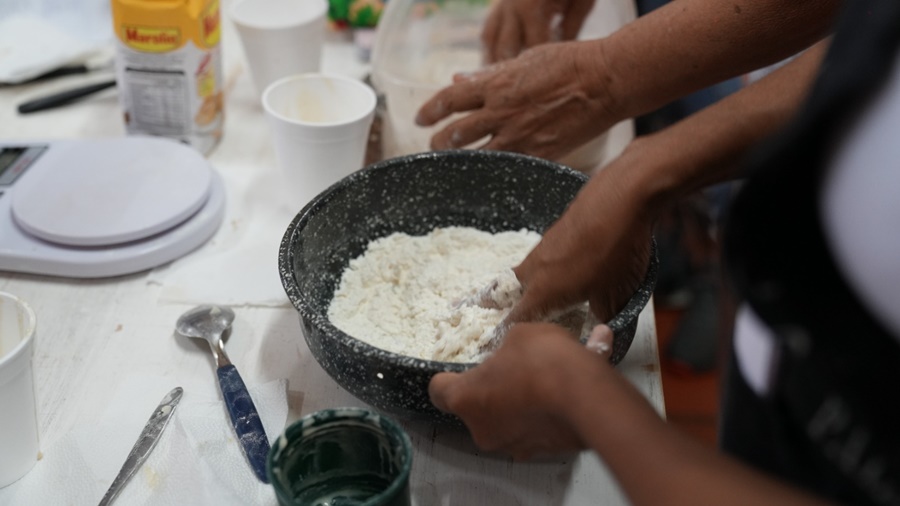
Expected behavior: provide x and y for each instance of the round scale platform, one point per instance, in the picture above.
(106, 207)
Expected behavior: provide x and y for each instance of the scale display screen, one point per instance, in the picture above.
(8, 156)
(15, 159)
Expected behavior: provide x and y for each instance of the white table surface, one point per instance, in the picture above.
(93, 333)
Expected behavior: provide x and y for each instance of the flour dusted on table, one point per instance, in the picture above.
(402, 294)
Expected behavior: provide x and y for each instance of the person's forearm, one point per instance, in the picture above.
(687, 45)
(653, 462)
(705, 148)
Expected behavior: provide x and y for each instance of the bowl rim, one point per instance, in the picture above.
(637, 301)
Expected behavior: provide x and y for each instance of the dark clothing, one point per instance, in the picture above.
(832, 423)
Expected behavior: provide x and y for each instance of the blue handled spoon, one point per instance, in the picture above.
(210, 323)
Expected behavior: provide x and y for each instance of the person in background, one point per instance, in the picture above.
(812, 261)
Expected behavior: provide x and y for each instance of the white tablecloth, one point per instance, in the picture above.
(96, 335)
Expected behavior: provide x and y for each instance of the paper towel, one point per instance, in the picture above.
(239, 265)
(196, 461)
(31, 45)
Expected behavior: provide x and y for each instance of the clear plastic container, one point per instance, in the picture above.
(420, 45)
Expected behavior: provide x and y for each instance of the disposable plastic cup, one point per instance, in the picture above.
(19, 447)
(349, 456)
(320, 125)
(280, 37)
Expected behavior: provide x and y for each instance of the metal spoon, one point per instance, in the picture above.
(210, 322)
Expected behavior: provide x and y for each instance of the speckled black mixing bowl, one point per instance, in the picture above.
(488, 190)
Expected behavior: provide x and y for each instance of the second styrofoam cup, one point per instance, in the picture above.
(280, 37)
(320, 124)
(18, 416)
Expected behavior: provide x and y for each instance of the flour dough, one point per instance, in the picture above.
(403, 294)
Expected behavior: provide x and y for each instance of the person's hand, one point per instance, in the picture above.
(547, 102)
(599, 249)
(514, 25)
(516, 401)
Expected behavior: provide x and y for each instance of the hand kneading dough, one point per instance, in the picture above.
(402, 294)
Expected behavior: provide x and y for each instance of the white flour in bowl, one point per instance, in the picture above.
(401, 295)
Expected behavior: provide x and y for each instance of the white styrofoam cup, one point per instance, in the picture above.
(320, 124)
(280, 37)
(19, 445)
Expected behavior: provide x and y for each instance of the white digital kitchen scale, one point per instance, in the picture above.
(104, 207)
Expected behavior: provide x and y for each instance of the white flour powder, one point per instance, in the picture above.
(402, 294)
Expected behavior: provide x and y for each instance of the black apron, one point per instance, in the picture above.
(831, 423)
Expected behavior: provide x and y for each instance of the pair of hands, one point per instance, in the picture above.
(520, 400)
(545, 102)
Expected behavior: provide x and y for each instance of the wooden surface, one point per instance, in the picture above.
(93, 333)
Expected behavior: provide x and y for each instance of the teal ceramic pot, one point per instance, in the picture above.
(342, 457)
